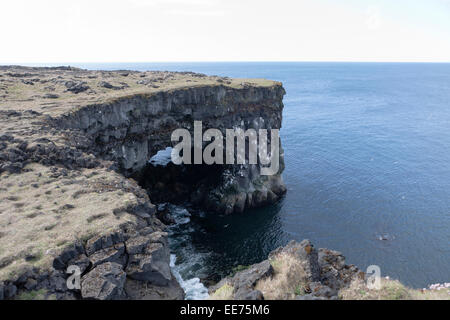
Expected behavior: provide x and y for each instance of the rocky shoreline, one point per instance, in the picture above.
(299, 271)
(73, 146)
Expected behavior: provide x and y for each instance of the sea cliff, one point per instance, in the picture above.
(74, 151)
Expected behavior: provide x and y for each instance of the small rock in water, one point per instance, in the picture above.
(385, 237)
(163, 214)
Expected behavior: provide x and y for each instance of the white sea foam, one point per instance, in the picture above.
(162, 157)
(193, 288)
(180, 214)
(191, 261)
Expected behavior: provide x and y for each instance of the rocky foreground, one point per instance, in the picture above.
(74, 147)
(299, 271)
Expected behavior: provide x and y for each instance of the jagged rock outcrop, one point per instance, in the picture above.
(244, 282)
(295, 271)
(105, 282)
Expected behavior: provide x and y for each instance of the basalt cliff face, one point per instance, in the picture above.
(130, 130)
(70, 140)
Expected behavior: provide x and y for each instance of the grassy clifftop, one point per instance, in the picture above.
(43, 210)
(57, 90)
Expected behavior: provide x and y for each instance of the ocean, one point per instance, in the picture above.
(367, 154)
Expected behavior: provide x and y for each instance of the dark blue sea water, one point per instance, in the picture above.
(367, 152)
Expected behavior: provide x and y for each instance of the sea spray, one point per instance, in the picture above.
(191, 262)
(193, 288)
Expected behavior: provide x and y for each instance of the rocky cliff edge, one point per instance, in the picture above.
(299, 271)
(69, 141)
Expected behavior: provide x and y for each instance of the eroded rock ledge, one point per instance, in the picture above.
(296, 271)
(299, 271)
(69, 138)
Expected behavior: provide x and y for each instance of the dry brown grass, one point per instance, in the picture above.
(225, 292)
(288, 280)
(32, 97)
(390, 290)
(40, 215)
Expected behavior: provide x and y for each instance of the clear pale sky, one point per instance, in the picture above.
(224, 30)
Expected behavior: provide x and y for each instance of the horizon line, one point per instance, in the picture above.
(67, 63)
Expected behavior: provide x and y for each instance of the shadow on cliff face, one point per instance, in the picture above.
(178, 184)
(207, 242)
(220, 188)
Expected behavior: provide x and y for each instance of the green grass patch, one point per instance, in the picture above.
(32, 295)
(237, 269)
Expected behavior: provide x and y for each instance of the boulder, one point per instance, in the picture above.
(9, 291)
(82, 261)
(30, 284)
(164, 215)
(334, 272)
(57, 282)
(51, 96)
(137, 245)
(138, 290)
(248, 295)
(70, 253)
(105, 84)
(108, 85)
(103, 242)
(244, 281)
(309, 297)
(114, 254)
(76, 86)
(151, 266)
(320, 290)
(104, 282)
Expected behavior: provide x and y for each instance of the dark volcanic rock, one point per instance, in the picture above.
(152, 266)
(114, 254)
(244, 282)
(132, 129)
(10, 291)
(104, 282)
(108, 85)
(82, 261)
(163, 214)
(76, 86)
(51, 96)
(325, 273)
(138, 290)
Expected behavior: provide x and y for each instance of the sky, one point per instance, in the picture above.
(53, 31)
